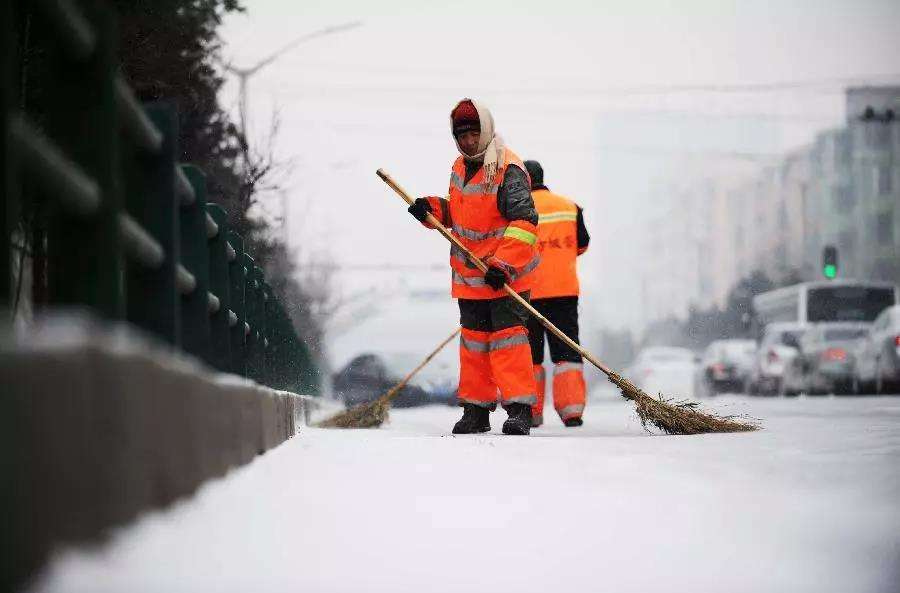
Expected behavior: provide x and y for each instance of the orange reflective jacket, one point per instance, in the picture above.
(557, 244)
(474, 218)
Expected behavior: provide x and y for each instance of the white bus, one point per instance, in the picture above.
(817, 302)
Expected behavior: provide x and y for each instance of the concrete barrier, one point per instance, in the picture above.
(100, 424)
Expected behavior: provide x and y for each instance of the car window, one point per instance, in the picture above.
(836, 335)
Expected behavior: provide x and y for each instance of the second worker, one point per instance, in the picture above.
(562, 237)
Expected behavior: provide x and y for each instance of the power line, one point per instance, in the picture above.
(824, 85)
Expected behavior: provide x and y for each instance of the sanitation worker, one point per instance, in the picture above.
(562, 237)
(490, 210)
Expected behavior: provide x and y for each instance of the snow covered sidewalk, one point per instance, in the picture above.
(811, 503)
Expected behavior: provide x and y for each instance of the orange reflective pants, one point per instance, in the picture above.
(494, 354)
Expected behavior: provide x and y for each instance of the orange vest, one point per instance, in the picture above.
(478, 224)
(557, 243)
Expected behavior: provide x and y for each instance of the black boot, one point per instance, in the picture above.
(519, 421)
(573, 421)
(474, 419)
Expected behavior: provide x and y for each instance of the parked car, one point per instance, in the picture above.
(777, 348)
(825, 361)
(877, 356)
(367, 377)
(663, 369)
(724, 367)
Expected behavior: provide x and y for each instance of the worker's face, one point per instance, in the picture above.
(468, 142)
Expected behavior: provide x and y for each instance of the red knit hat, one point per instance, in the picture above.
(465, 118)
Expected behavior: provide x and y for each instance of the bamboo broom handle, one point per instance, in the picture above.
(392, 393)
(512, 293)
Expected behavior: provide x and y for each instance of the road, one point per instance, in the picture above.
(811, 503)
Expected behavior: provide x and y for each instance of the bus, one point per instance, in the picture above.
(825, 301)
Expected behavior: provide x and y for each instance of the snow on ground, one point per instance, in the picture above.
(812, 503)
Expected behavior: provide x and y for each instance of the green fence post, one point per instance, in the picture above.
(84, 254)
(276, 360)
(219, 285)
(9, 187)
(237, 286)
(283, 360)
(311, 378)
(262, 335)
(251, 306)
(153, 301)
(270, 342)
(292, 364)
(195, 306)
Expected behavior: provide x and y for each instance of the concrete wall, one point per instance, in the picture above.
(99, 425)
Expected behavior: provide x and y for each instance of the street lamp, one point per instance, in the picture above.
(244, 74)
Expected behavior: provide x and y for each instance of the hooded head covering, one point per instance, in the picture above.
(489, 146)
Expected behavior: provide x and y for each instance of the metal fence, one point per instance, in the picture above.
(130, 232)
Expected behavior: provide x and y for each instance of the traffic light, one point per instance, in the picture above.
(830, 261)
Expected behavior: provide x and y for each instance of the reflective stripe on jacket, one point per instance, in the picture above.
(558, 245)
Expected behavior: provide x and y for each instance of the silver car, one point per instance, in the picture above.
(663, 369)
(777, 349)
(826, 359)
(877, 355)
(724, 367)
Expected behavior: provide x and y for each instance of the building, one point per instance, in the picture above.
(843, 190)
(874, 138)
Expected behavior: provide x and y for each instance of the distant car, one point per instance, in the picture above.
(825, 361)
(725, 367)
(439, 378)
(663, 369)
(369, 376)
(877, 356)
(777, 348)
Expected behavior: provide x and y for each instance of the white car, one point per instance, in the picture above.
(777, 349)
(664, 369)
(724, 367)
(877, 355)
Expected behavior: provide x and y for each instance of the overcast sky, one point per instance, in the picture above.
(618, 100)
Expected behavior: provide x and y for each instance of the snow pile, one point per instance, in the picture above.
(811, 503)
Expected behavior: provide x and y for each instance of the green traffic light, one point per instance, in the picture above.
(830, 271)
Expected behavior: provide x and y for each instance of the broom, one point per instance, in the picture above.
(670, 416)
(373, 414)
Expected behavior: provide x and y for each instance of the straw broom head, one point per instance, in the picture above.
(673, 417)
(368, 415)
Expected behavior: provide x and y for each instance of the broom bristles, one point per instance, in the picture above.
(671, 417)
(368, 415)
(674, 417)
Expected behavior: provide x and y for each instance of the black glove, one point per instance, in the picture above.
(420, 209)
(495, 278)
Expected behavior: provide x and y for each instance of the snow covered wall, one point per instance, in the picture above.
(100, 424)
